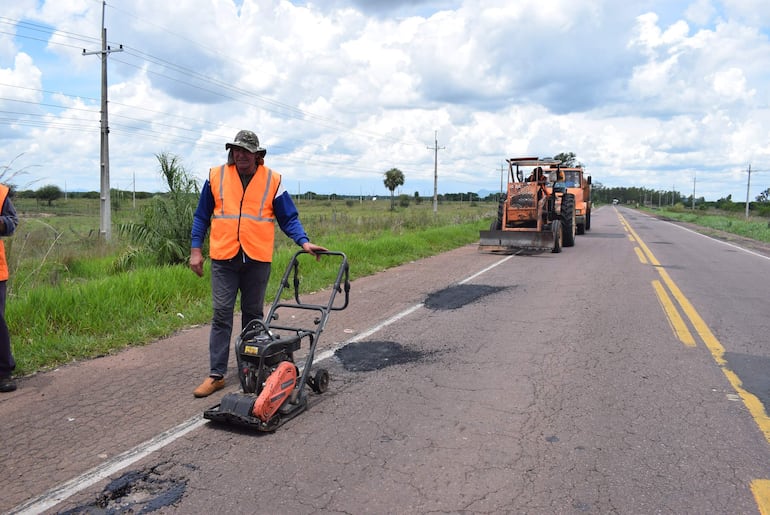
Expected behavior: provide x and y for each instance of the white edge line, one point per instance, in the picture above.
(487, 269)
(395, 318)
(58, 494)
(737, 247)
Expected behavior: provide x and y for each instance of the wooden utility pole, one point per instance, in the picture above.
(435, 148)
(105, 223)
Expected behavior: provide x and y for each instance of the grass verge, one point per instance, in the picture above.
(80, 319)
(754, 227)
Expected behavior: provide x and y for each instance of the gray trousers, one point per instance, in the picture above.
(228, 277)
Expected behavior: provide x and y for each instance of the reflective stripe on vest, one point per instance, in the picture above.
(243, 219)
(3, 263)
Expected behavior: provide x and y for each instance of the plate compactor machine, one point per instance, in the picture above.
(532, 217)
(274, 389)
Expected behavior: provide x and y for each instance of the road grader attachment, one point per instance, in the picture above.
(531, 218)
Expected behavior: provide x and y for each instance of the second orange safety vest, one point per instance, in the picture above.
(243, 219)
(3, 263)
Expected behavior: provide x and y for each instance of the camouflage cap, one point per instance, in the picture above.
(247, 140)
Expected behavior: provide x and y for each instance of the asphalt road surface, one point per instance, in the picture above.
(628, 374)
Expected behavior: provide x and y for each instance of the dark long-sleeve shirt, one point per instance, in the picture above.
(8, 217)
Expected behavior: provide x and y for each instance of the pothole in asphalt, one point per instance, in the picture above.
(374, 355)
(137, 491)
(458, 296)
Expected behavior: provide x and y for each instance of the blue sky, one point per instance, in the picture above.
(648, 93)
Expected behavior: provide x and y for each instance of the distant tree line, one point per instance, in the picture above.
(52, 192)
(600, 194)
(654, 198)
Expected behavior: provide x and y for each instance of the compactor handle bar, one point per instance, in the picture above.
(341, 283)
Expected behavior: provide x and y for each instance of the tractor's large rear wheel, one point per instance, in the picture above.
(568, 219)
(497, 224)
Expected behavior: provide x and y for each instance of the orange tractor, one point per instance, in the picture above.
(579, 185)
(532, 216)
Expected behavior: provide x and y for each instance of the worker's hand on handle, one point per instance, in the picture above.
(196, 261)
(312, 248)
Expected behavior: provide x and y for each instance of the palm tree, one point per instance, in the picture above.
(165, 230)
(393, 179)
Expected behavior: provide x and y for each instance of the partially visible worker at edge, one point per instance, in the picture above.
(8, 222)
(240, 200)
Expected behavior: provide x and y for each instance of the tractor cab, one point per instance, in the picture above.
(560, 179)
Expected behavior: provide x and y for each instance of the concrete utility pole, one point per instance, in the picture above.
(693, 191)
(105, 224)
(502, 175)
(435, 148)
(748, 187)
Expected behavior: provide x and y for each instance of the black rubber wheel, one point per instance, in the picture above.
(557, 230)
(588, 220)
(568, 219)
(497, 224)
(321, 381)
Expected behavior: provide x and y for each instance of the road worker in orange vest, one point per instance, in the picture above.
(241, 200)
(8, 223)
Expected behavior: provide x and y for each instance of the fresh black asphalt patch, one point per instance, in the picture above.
(366, 356)
(458, 296)
(373, 355)
(752, 371)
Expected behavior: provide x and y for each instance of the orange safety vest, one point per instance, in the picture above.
(3, 263)
(243, 219)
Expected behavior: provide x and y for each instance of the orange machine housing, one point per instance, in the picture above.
(276, 391)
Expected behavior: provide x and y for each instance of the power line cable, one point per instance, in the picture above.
(188, 71)
(281, 108)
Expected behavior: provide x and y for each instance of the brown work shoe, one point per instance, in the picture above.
(209, 386)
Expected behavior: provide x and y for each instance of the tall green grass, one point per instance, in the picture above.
(51, 325)
(67, 300)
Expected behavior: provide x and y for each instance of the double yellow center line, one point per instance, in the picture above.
(759, 487)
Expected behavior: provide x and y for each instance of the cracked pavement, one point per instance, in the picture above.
(540, 393)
